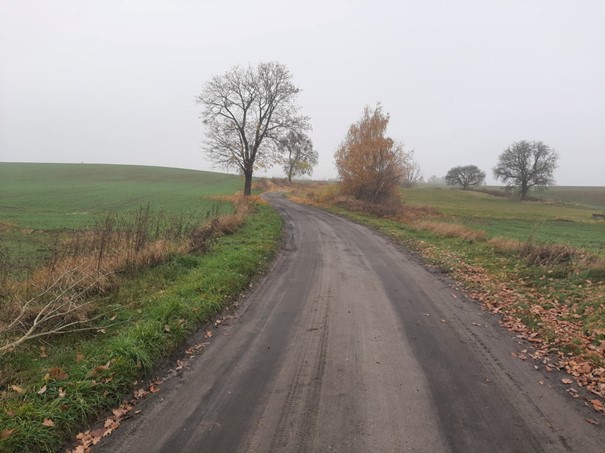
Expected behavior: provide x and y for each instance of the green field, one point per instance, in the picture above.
(568, 222)
(37, 199)
(48, 196)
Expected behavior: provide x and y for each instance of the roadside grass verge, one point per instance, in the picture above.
(552, 295)
(48, 390)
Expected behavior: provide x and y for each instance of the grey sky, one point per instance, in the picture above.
(114, 81)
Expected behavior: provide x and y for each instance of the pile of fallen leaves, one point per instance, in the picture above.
(559, 337)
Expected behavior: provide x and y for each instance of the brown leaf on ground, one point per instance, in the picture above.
(597, 405)
(111, 424)
(48, 422)
(79, 357)
(62, 392)
(6, 433)
(592, 422)
(566, 381)
(140, 393)
(42, 390)
(17, 389)
(58, 374)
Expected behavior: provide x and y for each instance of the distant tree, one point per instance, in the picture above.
(370, 165)
(436, 180)
(412, 174)
(525, 164)
(465, 177)
(298, 154)
(246, 111)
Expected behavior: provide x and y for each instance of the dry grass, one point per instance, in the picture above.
(504, 244)
(451, 230)
(90, 264)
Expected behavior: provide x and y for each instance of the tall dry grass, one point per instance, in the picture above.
(88, 264)
(451, 230)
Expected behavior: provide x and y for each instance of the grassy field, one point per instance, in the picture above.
(544, 221)
(37, 200)
(49, 196)
(52, 386)
(587, 196)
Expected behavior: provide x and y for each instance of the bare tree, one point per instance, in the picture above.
(370, 165)
(412, 174)
(465, 177)
(525, 164)
(246, 111)
(298, 154)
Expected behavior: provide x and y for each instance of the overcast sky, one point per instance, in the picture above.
(114, 81)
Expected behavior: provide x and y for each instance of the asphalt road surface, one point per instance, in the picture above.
(350, 345)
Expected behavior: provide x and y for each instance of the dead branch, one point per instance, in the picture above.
(55, 316)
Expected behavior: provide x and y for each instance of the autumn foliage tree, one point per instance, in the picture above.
(298, 155)
(525, 164)
(371, 165)
(246, 111)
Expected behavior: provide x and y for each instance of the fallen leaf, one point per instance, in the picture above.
(597, 405)
(140, 393)
(6, 433)
(62, 392)
(111, 423)
(166, 328)
(48, 422)
(592, 422)
(58, 374)
(79, 357)
(42, 390)
(119, 412)
(17, 389)
(154, 389)
(566, 381)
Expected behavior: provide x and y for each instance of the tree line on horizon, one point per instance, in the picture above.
(253, 122)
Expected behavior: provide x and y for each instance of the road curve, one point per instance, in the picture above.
(350, 345)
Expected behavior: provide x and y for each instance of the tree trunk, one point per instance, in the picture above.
(524, 190)
(248, 182)
(290, 176)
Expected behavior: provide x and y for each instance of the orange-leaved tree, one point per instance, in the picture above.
(371, 165)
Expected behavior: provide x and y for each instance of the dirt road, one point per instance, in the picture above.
(349, 345)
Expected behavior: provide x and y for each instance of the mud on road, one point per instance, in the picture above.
(350, 345)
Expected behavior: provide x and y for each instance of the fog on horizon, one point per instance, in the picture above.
(115, 81)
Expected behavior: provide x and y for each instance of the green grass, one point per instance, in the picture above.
(49, 196)
(593, 197)
(543, 221)
(38, 200)
(155, 311)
